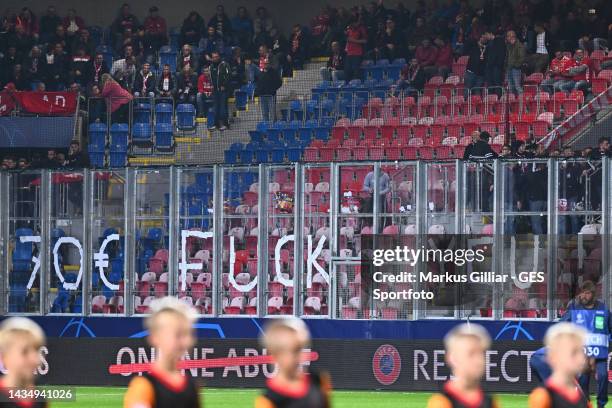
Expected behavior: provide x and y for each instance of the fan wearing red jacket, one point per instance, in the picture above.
(557, 67)
(205, 90)
(579, 73)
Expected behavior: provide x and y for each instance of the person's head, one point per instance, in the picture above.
(414, 62)
(511, 37)
(35, 52)
(75, 87)
(439, 41)
(558, 55)
(555, 153)
(466, 345)
(22, 163)
(11, 163)
(130, 62)
(285, 338)
(71, 13)
(128, 51)
(51, 11)
(166, 69)
(604, 143)
(80, 51)
(193, 16)
(484, 136)
(20, 342)
(242, 12)
(59, 31)
(170, 327)
(540, 150)
(153, 12)
(390, 24)
(146, 68)
(297, 29)
(211, 31)
(588, 293)
(186, 50)
(220, 10)
(106, 78)
(99, 59)
(261, 12)
(568, 152)
(335, 46)
(41, 87)
(475, 135)
(125, 10)
(579, 54)
(565, 348)
(60, 158)
(426, 42)
(263, 50)
(58, 49)
(505, 151)
(586, 152)
(538, 27)
(216, 57)
(75, 147)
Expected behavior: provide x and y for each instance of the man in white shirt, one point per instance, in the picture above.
(541, 49)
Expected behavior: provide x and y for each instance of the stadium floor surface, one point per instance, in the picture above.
(103, 397)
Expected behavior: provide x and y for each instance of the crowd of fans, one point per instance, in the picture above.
(503, 41)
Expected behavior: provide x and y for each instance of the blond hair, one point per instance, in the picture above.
(289, 323)
(19, 325)
(467, 330)
(170, 304)
(564, 329)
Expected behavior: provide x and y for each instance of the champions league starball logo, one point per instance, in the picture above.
(386, 364)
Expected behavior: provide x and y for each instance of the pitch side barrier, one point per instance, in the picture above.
(503, 239)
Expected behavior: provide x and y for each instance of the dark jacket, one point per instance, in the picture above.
(477, 58)
(220, 75)
(77, 161)
(481, 150)
(139, 83)
(268, 83)
(189, 84)
(336, 61)
(159, 88)
(496, 52)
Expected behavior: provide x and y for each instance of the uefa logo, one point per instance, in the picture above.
(386, 364)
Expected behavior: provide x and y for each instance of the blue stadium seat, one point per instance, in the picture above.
(294, 154)
(117, 159)
(185, 116)
(278, 155)
(163, 113)
(262, 155)
(246, 156)
(141, 133)
(97, 136)
(119, 137)
(167, 56)
(231, 156)
(241, 95)
(142, 113)
(163, 136)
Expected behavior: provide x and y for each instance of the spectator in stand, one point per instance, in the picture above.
(12, 58)
(279, 51)
(155, 29)
(334, 69)
(210, 43)
(204, 96)
(192, 28)
(76, 88)
(262, 26)
(319, 27)
(570, 192)
(84, 40)
(556, 73)
(495, 60)
(166, 83)
(41, 87)
(78, 66)
(220, 76)
(28, 21)
(144, 83)
(426, 55)
(389, 42)
(97, 106)
(56, 68)
(50, 162)
(117, 99)
(237, 67)
(515, 58)
(298, 48)
(253, 70)
(96, 69)
(444, 57)
(187, 84)
(579, 73)
(20, 39)
(603, 149)
(23, 164)
(474, 76)
(419, 33)
(128, 39)
(61, 37)
(480, 148)
(33, 65)
(76, 159)
(356, 39)
(186, 58)
(125, 20)
(127, 76)
(221, 23)
(18, 78)
(267, 85)
(119, 64)
(72, 23)
(48, 22)
(541, 48)
(242, 27)
(412, 79)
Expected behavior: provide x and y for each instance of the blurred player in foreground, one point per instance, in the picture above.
(20, 343)
(565, 355)
(285, 338)
(170, 328)
(466, 346)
